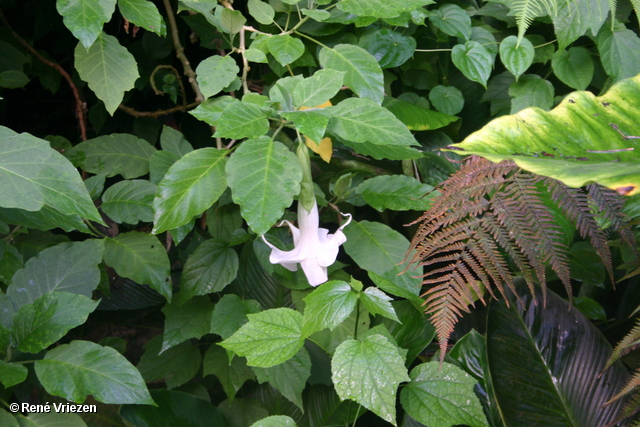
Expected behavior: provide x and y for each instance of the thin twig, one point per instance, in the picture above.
(159, 113)
(245, 63)
(80, 106)
(188, 71)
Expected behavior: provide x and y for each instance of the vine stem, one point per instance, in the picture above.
(175, 36)
(80, 105)
(152, 81)
(154, 114)
(433, 50)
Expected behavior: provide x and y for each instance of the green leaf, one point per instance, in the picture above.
(362, 120)
(282, 91)
(271, 337)
(369, 372)
(390, 48)
(73, 371)
(261, 11)
(85, 18)
(316, 14)
(231, 313)
(232, 20)
(242, 120)
(45, 219)
(255, 55)
(232, 375)
(141, 258)
(531, 91)
(175, 366)
(209, 269)
(289, 377)
(328, 306)
(275, 421)
(516, 55)
(474, 60)
(312, 123)
(129, 201)
(285, 48)
(143, 13)
(447, 99)
(381, 8)
(159, 164)
(590, 308)
(441, 395)
(32, 175)
(529, 351)
(363, 73)
(453, 20)
(416, 117)
(619, 52)
(396, 192)
(43, 322)
(216, 73)
(264, 176)
(12, 374)
(377, 302)
(118, 153)
(51, 419)
(13, 79)
(108, 68)
(189, 320)
(190, 187)
(174, 408)
(174, 142)
(574, 19)
(379, 249)
(574, 67)
(211, 110)
(318, 89)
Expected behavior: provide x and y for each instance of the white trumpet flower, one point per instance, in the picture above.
(314, 248)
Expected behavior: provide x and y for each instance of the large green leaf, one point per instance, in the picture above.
(264, 176)
(190, 187)
(231, 313)
(289, 377)
(516, 55)
(215, 73)
(474, 60)
(189, 320)
(45, 219)
(547, 364)
(453, 20)
(369, 372)
(574, 67)
(175, 366)
(108, 68)
(441, 395)
(75, 370)
(32, 175)
(580, 141)
(38, 325)
(11, 374)
(312, 123)
(143, 13)
(328, 306)
(242, 120)
(619, 52)
(211, 267)
(261, 11)
(363, 73)
(275, 421)
(129, 201)
(118, 153)
(231, 375)
(396, 192)
(318, 89)
(85, 18)
(285, 48)
(381, 8)
(140, 257)
(447, 99)
(390, 48)
(416, 117)
(269, 338)
(574, 18)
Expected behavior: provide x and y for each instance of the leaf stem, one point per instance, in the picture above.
(311, 38)
(12, 233)
(433, 50)
(544, 44)
(245, 63)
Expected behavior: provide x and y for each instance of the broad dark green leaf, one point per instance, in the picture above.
(574, 19)
(12, 374)
(231, 313)
(216, 73)
(129, 201)
(447, 99)
(318, 89)
(285, 48)
(242, 120)
(581, 123)
(140, 257)
(190, 187)
(416, 117)
(261, 11)
(363, 73)
(209, 269)
(543, 359)
(378, 303)
(275, 421)
(73, 371)
(531, 91)
(311, 123)
(516, 55)
(574, 67)
(175, 366)
(619, 52)
(32, 175)
(328, 306)
(590, 308)
(211, 110)
(45, 219)
(159, 164)
(264, 176)
(369, 372)
(289, 377)
(108, 68)
(13, 79)
(381, 8)
(10, 261)
(43, 322)
(474, 60)
(232, 375)
(269, 338)
(174, 408)
(232, 20)
(189, 320)
(441, 395)
(143, 13)
(396, 192)
(174, 142)
(453, 20)
(85, 18)
(390, 48)
(118, 153)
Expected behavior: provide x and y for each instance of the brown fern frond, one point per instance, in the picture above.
(489, 215)
(630, 409)
(630, 386)
(610, 204)
(630, 342)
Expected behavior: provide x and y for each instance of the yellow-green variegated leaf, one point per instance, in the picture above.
(583, 140)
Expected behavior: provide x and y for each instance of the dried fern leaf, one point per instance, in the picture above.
(627, 344)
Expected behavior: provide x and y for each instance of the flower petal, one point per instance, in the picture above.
(316, 274)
